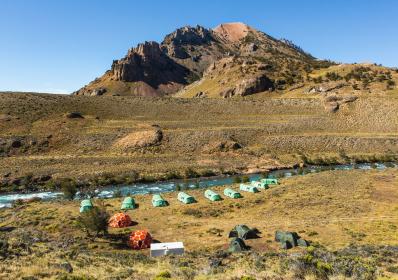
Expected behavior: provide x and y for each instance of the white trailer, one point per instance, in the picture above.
(164, 249)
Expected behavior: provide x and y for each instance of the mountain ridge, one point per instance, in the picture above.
(158, 69)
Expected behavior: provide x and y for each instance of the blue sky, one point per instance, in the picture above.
(58, 46)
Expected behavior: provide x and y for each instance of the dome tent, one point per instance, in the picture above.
(243, 232)
(85, 205)
(288, 239)
(158, 201)
(140, 239)
(213, 196)
(120, 220)
(259, 184)
(248, 188)
(185, 198)
(237, 245)
(231, 193)
(270, 181)
(128, 203)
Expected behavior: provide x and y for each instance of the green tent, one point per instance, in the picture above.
(248, 188)
(237, 245)
(259, 184)
(158, 201)
(212, 195)
(85, 205)
(231, 193)
(243, 232)
(128, 203)
(289, 239)
(270, 181)
(185, 198)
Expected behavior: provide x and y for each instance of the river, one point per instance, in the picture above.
(6, 200)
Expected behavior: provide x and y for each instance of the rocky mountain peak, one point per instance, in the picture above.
(153, 69)
(148, 50)
(232, 32)
(189, 35)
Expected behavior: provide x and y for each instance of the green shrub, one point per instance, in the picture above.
(237, 180)
(94, 221)
(247, 278)
(69, 188)
(170, 175)
(245, 179)
(162, 275)
(117, 193)
(393, 269)
(190, 173)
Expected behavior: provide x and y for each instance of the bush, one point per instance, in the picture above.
(193, 212)
(245, 179)
(94, 221)
(333, 76)
(170, 175)
(69, 188)
(3, 248)
(190, 173)
(163, 275)
(390, 84)
(117, 193)
(237, 180)
(247, 278)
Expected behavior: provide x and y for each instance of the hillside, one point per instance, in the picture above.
(123, 139)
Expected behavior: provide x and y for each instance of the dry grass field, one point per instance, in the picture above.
(209, 136)
(347, 215)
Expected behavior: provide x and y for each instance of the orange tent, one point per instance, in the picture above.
(120, 220)
(140, 239)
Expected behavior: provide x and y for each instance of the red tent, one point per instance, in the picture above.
(140, 239)
(120, 220)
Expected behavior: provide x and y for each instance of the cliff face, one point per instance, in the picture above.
(147, 63)
(153, 69)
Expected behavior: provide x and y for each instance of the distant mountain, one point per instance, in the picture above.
(153, 69)
(232, 59)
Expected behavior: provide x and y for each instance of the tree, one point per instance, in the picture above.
(94, 221)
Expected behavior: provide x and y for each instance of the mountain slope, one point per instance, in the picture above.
(153, 69)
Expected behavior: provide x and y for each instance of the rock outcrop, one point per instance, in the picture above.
(140, 139)
(179, 43)
(248, 87)
(222, 146)
(254, 85)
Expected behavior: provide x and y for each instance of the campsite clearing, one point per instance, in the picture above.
(340, 210)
